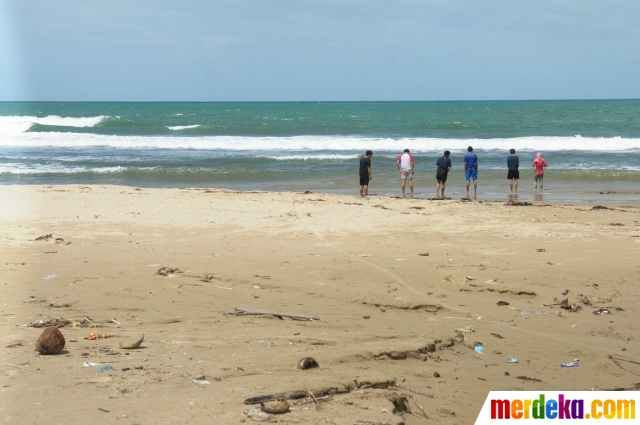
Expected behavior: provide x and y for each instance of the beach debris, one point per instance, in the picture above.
(506, 374)
(102, 336)
(497, 352)
(366, 317)
(436, 375)
(400, 403)
(51, 341)
(512, 360)
(281, 396)
(275, 407)
(616, 224)
(466, 330)
(57, 322)
(257, 287)
(565, 292)
(449, 279)
(501, 303)
(131, 346)
(529, 313)
(17, 344)
(496, 335)
(307, 363)
(424, 254)
(619, 309)
(60, 241)
(89, 364)
(598, 207)
(491, 281)
(166, 271)
(262, 276)
(602, 311)
(540, 250)
(575, 363)
(260, 416)
(91, 336)
(240, 311)
(526, 378)
(466, 278)
(479, 349)
(49, 276)
(106, 368)
(44, 237)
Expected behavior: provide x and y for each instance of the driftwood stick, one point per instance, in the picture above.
(245, 310)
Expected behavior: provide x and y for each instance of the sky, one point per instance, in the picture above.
(322, 50)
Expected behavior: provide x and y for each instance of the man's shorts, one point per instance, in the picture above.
(441, 176)
(471, 174)
(513, 174)
(538, 177)
(364, 181)
(406, 174)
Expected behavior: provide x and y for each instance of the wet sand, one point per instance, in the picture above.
(388, 315)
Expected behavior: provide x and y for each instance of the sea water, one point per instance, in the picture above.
(592, 147)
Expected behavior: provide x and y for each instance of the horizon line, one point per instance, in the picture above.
(317, 101)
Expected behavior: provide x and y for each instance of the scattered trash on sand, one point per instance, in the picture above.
(496, 335)
(307, 363)
(449, 279)
(424, 254)
(479, 349)
(49, 276)
(366, 317)
(436, 375)
(540, 250)
(466, 330)
(526, 378)
(565, 292)
(241, 311)
(572, 364)
(91, 336)
(259, 416)
(51, 341)
(132, 346)
(45, 237)
(529, 313)
(602, 311)
(275, 407)
(106, 368)
(512, 360)
(501, 303)
(89, 364)
(166, 271)
(619, 309)
(491, 281)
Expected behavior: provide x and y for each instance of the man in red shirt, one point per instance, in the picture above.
(539, 164)
(405, 164)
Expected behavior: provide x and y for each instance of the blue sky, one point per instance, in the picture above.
(279, 50)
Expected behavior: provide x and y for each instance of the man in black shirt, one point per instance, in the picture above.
(513, 163)
(443, 165)
(365, 173)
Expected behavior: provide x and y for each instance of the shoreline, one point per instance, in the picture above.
(404, 292)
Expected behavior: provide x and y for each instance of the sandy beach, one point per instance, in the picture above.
(404, 291)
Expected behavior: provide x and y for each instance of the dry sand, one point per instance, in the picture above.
(387, 314)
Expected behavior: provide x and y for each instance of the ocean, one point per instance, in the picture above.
(592, 147)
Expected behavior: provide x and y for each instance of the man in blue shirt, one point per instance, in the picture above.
(443, 165)
(471, 170)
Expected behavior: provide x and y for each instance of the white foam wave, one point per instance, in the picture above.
(53, 169)
(311, 157)
(317, 143)
(19, 124)
(182, 127)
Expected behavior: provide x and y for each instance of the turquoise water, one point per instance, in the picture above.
(590, 145)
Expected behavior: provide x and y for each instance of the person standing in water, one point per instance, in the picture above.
(406, 164)
(539, 164)
(365, 173)
(513, 163)
(443, 165)
(471, 170)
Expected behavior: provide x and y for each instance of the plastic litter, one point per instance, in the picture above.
(572, 364)
(49, 276)
(479, 349)
(89, 364)
(259, 415)
(106, 369)
(529, 313)
(512, 360)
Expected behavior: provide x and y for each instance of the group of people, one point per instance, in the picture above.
(406, 165)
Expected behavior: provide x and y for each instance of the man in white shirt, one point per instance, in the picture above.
(405, 164)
